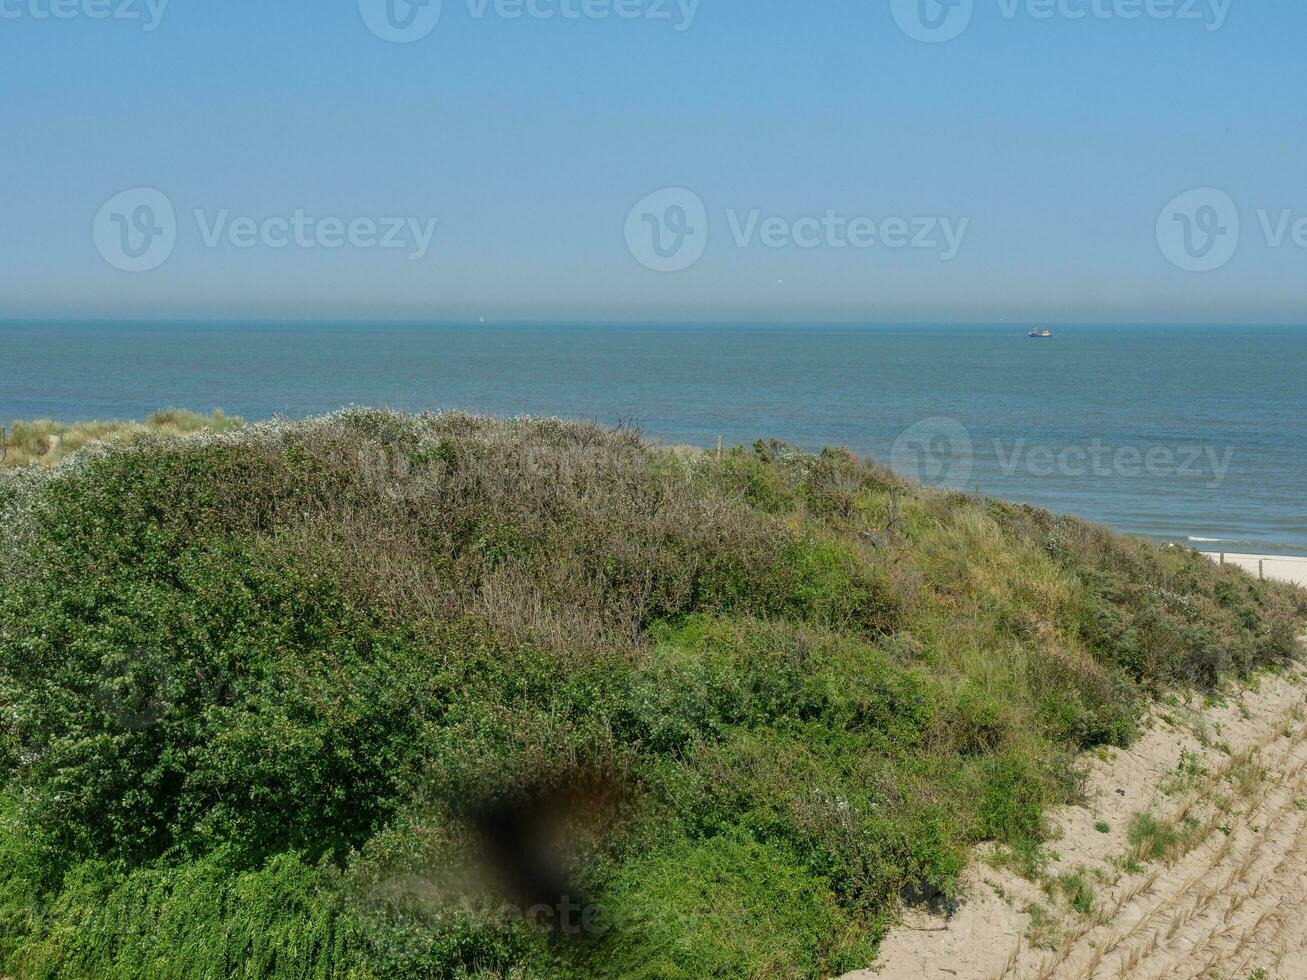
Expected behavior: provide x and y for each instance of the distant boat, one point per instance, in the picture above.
(1040, 333)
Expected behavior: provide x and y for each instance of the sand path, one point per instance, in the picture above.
(1215, 891)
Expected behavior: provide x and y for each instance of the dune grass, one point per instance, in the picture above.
(386, 696)
(46, 442)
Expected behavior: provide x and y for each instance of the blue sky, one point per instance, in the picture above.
(1052, 143)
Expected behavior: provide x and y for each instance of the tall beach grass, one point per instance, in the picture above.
(45, 442)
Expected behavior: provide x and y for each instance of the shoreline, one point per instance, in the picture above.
(1278, 568)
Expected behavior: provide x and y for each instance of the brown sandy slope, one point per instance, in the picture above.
(1216, 892)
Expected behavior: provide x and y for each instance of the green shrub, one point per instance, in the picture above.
(331, 699)
(206, 918)
(723, 907)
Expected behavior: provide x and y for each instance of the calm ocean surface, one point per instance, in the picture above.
(1189, 434)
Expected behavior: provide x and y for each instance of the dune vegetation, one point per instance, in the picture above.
(47, 442)
(376, 696)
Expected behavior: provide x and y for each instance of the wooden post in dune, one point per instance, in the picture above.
(719, 449)
(1261, 569)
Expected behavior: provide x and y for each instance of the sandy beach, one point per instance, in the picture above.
(1274, 567)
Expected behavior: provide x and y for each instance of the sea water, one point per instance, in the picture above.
(1191, 434)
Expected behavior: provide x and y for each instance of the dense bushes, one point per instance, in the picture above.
(346, 698)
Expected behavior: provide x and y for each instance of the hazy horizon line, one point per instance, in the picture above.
(256, 319)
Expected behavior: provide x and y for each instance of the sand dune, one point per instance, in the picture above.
(1213, 890)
